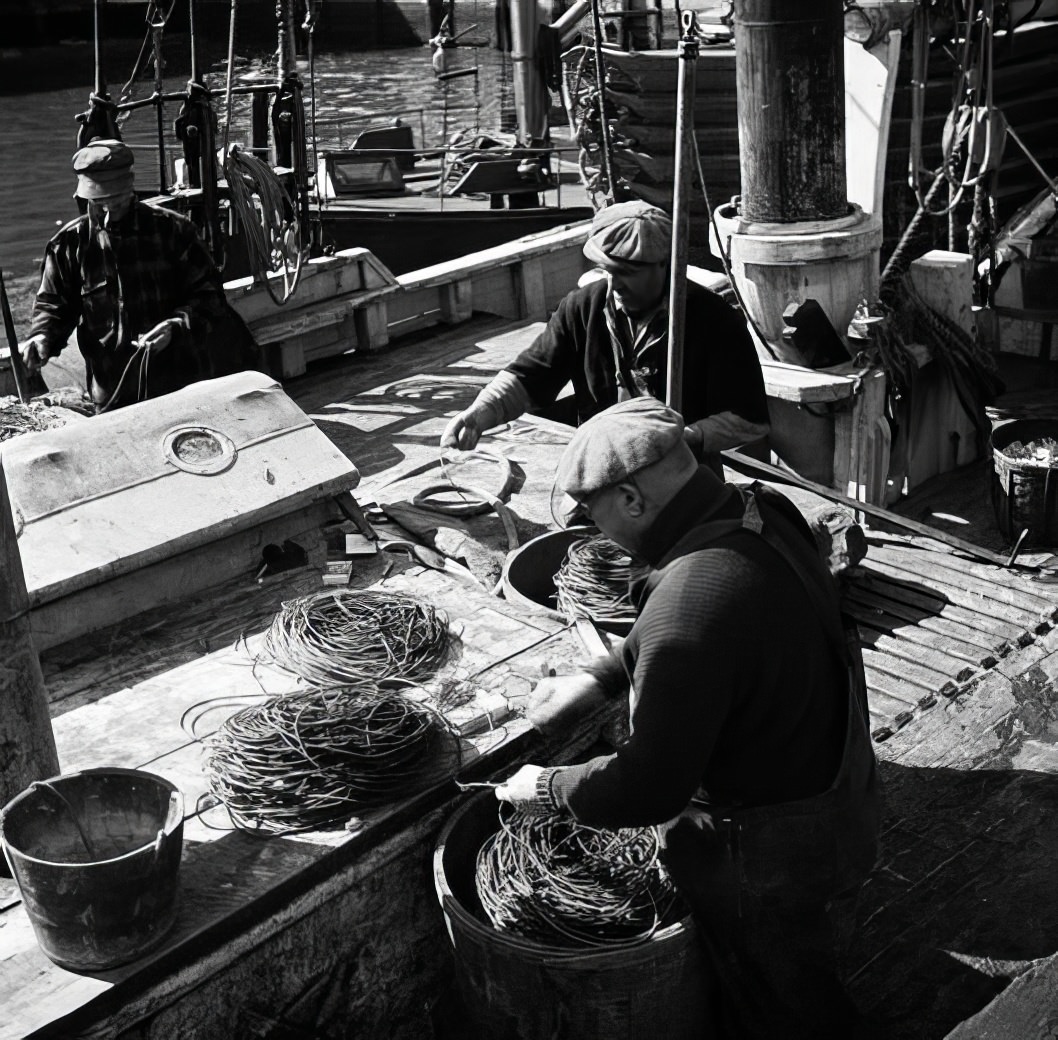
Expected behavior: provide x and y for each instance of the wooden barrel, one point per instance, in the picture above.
(518, 989)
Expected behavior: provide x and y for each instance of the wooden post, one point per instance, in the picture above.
(27, 744)
(681, 204)
(789, 73)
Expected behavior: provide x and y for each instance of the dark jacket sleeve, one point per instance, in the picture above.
(57, 306)
(723, 370)
(684, 680)
(548, 363)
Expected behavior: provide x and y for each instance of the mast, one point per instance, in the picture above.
(98, 120)
(196, 128)
(790, 75)
(288, 111)
(681, 208)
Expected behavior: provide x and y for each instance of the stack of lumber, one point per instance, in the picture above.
(932, 620)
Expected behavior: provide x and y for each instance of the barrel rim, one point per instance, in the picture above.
(173, 822)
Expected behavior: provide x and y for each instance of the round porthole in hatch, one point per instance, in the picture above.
(198, 449)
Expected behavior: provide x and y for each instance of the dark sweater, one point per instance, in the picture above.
(735, 688)
(721, 370)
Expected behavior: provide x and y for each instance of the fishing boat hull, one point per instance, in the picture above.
(407, 239)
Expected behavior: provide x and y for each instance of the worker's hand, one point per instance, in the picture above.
(160, 336)
(462, 432)
(34, 353)
(693, 438)
(560, 702)
(520, 789)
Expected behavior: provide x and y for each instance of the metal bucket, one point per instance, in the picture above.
(1025, 492)
(96, 855)
(518, 989)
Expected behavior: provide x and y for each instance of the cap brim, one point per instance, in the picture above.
(566, 511)
(617, 265)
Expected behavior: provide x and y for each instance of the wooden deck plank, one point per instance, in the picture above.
(906, 589)
(992, 584)
(948, 669)
(881, 610)
(875, 623)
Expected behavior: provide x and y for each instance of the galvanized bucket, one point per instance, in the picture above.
(96, 855)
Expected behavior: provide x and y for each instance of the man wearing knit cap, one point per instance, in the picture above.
(610, 338)
(749, 745)
(139, 287)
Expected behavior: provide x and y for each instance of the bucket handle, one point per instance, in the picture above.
(89, 847)
(173, 816)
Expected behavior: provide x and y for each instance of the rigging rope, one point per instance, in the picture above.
(559, 882)
(272, 237)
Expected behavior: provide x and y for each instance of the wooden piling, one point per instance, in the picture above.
(27, 744)
(789, 71)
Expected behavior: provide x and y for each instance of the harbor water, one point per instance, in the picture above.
(353, 88)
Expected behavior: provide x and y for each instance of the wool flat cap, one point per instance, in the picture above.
(629, 233)
(103, 168)
(615, 444)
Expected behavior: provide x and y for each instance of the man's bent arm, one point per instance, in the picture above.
(724, 430)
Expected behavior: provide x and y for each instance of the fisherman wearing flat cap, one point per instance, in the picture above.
(610, 338)
(749, 746)
(139, 287)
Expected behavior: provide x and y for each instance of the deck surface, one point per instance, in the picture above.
(963, 898)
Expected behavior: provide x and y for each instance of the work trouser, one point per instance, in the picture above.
(777, 948)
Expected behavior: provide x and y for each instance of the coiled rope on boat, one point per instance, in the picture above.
(593, 582)
(351, 636)
(556, 881)
(306, 760)
(273, 234)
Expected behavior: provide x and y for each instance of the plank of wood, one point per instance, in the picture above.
(893, 686)
(994, 636)
(991, 582)
(884, 704)
(909, 672)
(745, 464)
(960, 731)
(959, 651)
(954, 669)
(968, 594)
(1015, 577)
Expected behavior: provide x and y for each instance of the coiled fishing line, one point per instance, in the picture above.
(551, 879)
(593, 582)
(306, 760)
(352, 636)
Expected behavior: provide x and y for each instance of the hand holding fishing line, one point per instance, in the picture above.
(520, 789)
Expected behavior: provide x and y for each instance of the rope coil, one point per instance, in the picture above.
(551, 879)
(306, 760)
(348, 636)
